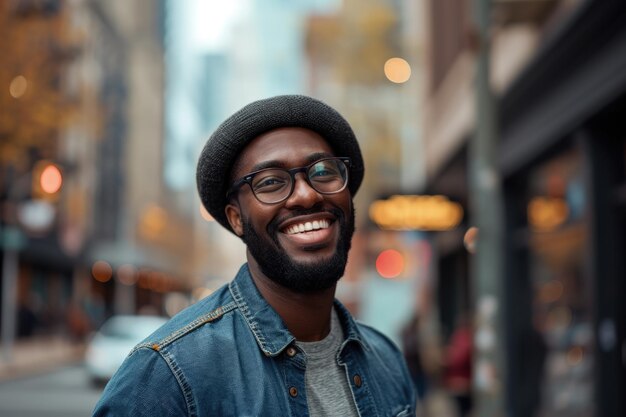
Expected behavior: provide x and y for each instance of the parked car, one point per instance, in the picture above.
(110, 345)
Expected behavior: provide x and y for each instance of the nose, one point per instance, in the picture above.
(303, 194)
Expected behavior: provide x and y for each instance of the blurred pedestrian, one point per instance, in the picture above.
(458, 366)
(77, 321)
(280, 174)
(412, 351)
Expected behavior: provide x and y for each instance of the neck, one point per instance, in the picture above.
(307, 316)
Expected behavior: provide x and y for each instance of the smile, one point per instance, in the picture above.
(307, 227)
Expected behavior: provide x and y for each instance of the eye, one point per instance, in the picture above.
(269, 182)
(326, 170)
(323, 173)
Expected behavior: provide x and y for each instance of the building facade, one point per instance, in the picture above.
(115, 239)
(561, 91)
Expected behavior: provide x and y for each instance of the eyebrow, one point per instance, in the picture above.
(280, 164)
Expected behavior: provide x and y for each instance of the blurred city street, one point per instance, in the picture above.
(46, 377)
(64, 392)
(490, 225)
(41, 354)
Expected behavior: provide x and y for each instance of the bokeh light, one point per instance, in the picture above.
(51, 179)
(397, 70)
(127, 274)
(153, 221)
(390, 263)
(102, 271)
(416, 212)
(18, 86)
(547, 213)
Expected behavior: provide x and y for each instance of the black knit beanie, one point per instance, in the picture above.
(231, 137)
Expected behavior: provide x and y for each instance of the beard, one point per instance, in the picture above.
(300, 277)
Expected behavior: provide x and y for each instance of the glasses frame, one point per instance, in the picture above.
(247, 179)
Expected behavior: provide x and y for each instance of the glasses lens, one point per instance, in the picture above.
(328, 176)
(271, 185)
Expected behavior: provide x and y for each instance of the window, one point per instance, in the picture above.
(561, 297)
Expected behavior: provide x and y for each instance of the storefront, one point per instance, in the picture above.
(562, 159)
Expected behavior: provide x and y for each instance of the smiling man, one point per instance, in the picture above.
(280, 174)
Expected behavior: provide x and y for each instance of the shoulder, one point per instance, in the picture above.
(141, 387)
(161, 369)
(208, 310)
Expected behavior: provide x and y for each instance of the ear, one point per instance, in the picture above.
(233, 214)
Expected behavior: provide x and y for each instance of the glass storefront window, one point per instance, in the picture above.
(557, 218)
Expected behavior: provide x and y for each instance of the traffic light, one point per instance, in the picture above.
(47, 181)
(390, 263)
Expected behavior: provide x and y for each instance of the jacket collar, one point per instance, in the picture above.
(268, 328)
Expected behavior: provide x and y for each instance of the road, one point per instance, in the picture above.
(63, 393)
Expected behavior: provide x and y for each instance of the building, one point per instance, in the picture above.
(90, 99)
(557, 73)
(348, 52)
(43, 130)
(147, 246)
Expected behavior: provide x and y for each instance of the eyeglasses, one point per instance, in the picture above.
(274, 185)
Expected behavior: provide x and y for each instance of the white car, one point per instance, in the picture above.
(111, 344)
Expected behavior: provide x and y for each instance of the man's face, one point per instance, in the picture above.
(303, 261)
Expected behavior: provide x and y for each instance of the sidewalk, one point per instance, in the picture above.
(40, 354)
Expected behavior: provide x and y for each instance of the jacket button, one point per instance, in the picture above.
(293, 391)
(291, 351)
(357, 380)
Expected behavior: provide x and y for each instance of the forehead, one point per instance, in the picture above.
(286, 147)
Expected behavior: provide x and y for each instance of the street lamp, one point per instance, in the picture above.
(46, 178)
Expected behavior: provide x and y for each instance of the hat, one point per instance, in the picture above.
(231, 137)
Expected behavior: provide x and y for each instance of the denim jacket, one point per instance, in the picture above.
(231, 355)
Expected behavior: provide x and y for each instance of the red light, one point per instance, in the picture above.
(51, 179)
(390, 263)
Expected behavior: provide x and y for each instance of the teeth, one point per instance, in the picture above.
(308, 226)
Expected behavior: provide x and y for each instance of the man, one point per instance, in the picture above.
(280, 174)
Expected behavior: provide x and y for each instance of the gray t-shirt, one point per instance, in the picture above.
(327, 389)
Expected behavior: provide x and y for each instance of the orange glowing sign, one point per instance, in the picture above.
(547, 213)
(416, 212)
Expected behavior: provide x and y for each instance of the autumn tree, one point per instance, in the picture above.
(36, 46)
